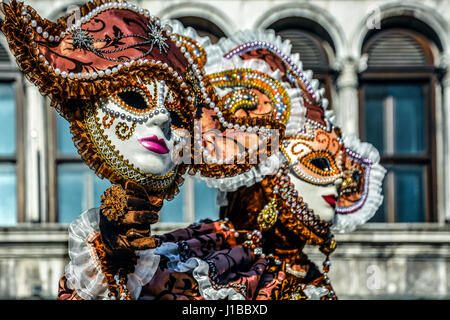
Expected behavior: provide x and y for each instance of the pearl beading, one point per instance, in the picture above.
(246, 77)
(280, 109)
(118, 163)
(124, 116)
(238, 157)
(285, 189)
(83, 76)
(314, 180)
(136, 117)
(243, 48)
(92, 14)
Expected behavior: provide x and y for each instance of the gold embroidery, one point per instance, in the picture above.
(268, 216)
(118, 163)
(249, 78)
(113, 202)
(108, 125)
(123, 132)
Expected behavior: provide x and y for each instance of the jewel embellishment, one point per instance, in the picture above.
(157, 37)
(81, 39)
(268, 216)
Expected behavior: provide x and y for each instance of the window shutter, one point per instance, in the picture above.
(308, 46)
(397, 48)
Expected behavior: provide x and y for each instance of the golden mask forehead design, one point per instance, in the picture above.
(252, 91)
(316, 153)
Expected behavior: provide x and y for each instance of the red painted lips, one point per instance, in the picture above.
(154, 144)
(331, 200)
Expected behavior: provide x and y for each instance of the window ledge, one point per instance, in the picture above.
(371, 232)
(398, 232)
(28, 232)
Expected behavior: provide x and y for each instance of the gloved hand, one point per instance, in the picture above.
(125, 218)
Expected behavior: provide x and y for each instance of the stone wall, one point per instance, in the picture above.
(391, 262)
(32, 259)
(376, 262)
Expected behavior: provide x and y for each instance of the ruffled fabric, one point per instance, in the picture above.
(170, 251)
(208, 252)
(178, 28)
(84, 273)
(200, 273)
(225, 45)
(143, 272)
(200, 262)
(365, 208)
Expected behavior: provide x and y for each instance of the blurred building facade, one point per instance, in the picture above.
(385, 67)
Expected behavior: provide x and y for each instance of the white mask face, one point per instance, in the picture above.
(315, 155)
(320, 198)
(138, 125)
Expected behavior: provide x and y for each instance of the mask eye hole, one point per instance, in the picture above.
(135, 98)
(167, 130)
(321, 163)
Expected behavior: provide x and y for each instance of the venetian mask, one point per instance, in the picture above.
(127, 84)
(361, 189)
(135, 93)
(337, 176)
(316, 155)
(134, 131)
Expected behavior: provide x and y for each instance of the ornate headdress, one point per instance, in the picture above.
(114, 47)
(318, 152)
(238, 131)
(246, 88)
(118, 53)
(315, 150)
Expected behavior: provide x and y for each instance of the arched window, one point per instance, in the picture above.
(204, 28)
(314, 45)
(397, 110)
